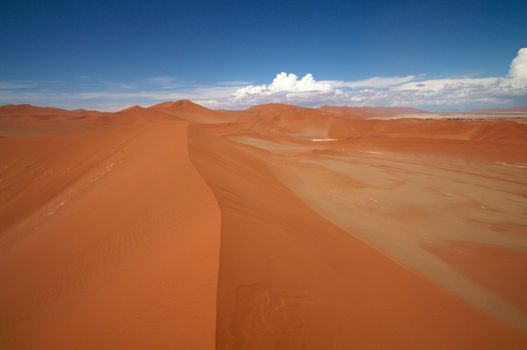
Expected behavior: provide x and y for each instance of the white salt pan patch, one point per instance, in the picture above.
(520, 165)
(54, 210)
(323, 140)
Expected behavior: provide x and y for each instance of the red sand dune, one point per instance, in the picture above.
(27, 120)
(112, 241)
(188, 110)
(370, 112)
(291, 280)
(503, 110)
(502, 267)
(177, 226)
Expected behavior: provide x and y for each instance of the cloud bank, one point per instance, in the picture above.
(410, 90)
(391, 91)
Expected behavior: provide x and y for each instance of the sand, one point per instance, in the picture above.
(116, 246)
(276, 227)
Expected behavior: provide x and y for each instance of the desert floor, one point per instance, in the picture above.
(276, 227)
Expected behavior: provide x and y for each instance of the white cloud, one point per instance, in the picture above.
(283, 83)
(409, 90)
(375, 82)
(17, 84)
(234, 83)
(519, 65)
(390, 91)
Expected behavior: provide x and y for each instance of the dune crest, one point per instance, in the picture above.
(274, 227)
(124, 255)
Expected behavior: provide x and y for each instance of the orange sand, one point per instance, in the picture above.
(116, 246)
(176, 226)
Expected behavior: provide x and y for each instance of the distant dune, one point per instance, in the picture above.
(371, 112)
(503, 110)
(176, 226)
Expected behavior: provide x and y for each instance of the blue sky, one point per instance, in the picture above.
(226, 54)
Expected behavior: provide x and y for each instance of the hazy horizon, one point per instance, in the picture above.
(437, 56)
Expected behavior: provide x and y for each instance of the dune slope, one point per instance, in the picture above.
(119, 251)
(275, 227)
(289, 279)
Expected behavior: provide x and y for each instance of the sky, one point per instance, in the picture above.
(107, 55)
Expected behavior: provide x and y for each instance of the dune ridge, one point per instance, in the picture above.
(178, 226)
(123, 256)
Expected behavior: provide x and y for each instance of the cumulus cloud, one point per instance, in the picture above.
(409, 90)
(283, 83)
(519, 65)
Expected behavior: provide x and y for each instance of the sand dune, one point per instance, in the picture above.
(370, 112)
(291, 280)
(114, 242)
(275, 227)
(188, 110)
(504, 110)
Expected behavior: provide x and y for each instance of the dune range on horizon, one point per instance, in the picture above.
(274, 227)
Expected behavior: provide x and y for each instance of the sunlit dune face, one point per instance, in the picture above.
(275, 227)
